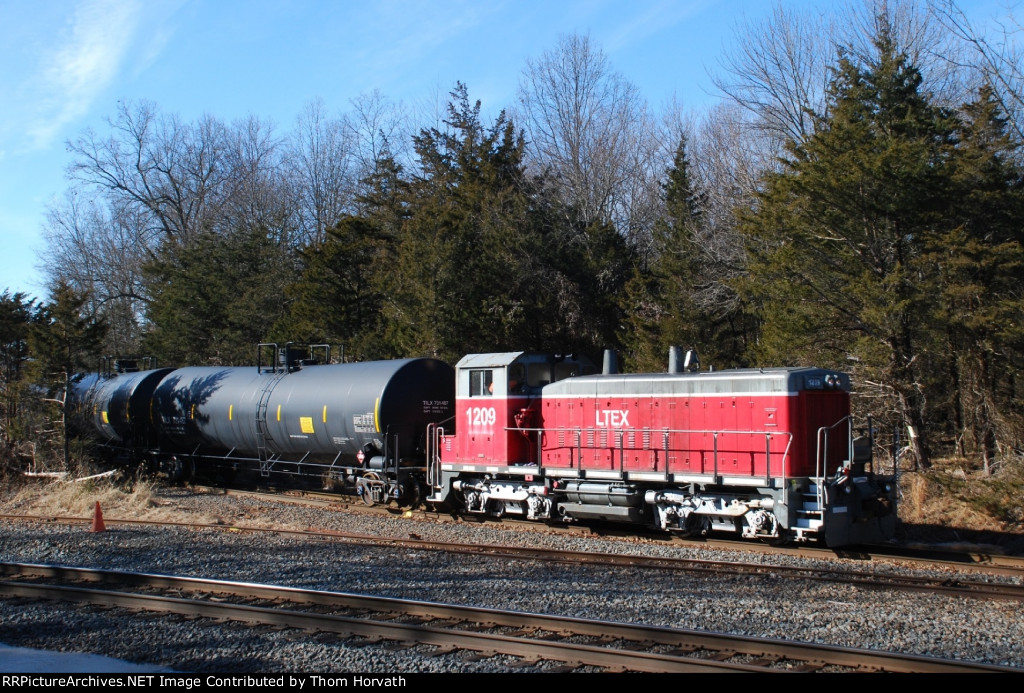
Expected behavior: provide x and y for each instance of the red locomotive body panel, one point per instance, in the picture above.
(684, 426)
(486, 427)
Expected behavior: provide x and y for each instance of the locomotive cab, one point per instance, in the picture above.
(496, 404)
(497, 433)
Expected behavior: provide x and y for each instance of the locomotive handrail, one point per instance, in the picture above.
(620, 432)
(821, 455)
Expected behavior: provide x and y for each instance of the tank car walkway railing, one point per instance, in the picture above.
(600, 439)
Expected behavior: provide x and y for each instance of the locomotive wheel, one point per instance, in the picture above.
(695, 526)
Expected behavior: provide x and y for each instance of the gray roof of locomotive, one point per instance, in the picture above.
(747, 381)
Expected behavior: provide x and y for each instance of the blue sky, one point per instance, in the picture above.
(65, 64)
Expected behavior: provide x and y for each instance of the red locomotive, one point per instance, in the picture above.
(764, 453)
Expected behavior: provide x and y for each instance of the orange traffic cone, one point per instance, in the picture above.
(97, 520)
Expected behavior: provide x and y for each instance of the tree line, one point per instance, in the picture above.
(853, 202)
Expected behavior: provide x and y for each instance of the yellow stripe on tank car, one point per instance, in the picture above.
(325, 413)
(376, 415)
(105, 419)
(278, 412)
(231, 412)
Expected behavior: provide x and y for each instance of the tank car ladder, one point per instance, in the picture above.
(263, 437)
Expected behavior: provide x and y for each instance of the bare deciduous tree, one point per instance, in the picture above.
(380, 127)
(175, 172)
(321, 170)
(781, 68)
(591, 131)
(727, 159)
(99, 250)
(779, 73)
(995, 55)
(256, 196)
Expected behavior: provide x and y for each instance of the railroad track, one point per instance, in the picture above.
(966, 558)
(558, 643)
(956, 586)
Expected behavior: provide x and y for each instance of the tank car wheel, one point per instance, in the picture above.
(368, 485)
(410, 491)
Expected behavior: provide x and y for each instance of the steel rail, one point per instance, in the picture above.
(802, 656)
(447, 640)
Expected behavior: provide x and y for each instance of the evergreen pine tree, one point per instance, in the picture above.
(212, 301)
(840, 235)
(17, 313)
(65, 342)
(979, 259)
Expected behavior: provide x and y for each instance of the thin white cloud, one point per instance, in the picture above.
(650, 20)
(89, 54)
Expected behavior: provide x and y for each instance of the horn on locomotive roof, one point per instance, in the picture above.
(690, 362)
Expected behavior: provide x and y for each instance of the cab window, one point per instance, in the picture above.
(481, 383)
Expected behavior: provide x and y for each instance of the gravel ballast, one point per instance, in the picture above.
(763, 606)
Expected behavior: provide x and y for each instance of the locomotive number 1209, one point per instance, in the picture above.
(481, 416)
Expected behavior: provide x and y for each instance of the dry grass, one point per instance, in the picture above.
(127, 499)
(926, 502)
(953, 501)
(59, 498)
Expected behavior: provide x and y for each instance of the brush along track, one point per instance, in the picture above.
(480, 633)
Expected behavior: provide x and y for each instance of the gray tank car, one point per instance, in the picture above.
(114, 406)
(346, 412)
(363, 424)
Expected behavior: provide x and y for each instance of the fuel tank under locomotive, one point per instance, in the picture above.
(340, 413)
